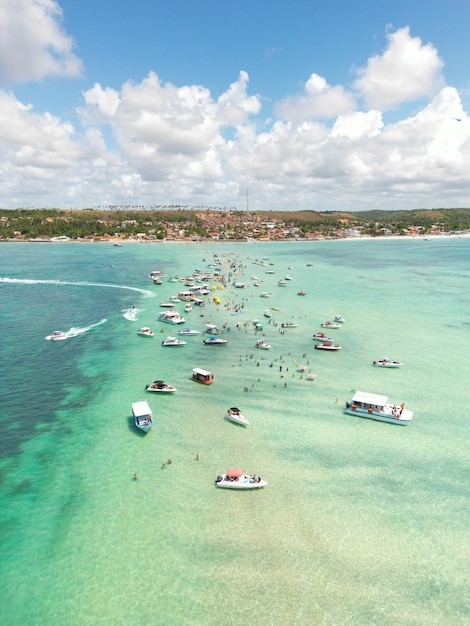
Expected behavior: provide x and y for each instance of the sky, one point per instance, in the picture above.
(282, 105)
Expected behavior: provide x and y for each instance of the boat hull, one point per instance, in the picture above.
(380, 416)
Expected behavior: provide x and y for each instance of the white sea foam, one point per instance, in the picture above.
(31, 281)
(75, 331)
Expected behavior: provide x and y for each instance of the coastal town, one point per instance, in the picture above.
(213, 224)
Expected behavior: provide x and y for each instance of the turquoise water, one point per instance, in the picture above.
(361, 523)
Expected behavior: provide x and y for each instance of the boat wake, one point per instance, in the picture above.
(31, 281)
(131, 314)
(75, 332)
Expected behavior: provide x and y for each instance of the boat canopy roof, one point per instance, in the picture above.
(369, 398)
(235, 473)
(198, 370)
(140, 409)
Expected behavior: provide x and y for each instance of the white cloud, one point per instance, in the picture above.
(318, 101)
(407, 71)
(33, 43)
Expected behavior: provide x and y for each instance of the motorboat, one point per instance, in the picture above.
(234, 415)
(212, 340)
(174, 299)
(188, 307)
(262, 345)
(159, 386)
(211, 329)
(330, 325)
(57, 335)
(311, 376)
(264, 294)
(301, 292)
(339, 319)
(268, 313)
(145, 332)
(166, 304)
(386, 362)
(189, 331)
(143, 417)
(202, 376)
(289, 325)
(282, 283)
(173, 342)
(237, 479)
(287, 277)
(171, 317)
(377, 407)
(327, 345)
(321, 337)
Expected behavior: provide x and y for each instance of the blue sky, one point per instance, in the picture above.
(351, 105)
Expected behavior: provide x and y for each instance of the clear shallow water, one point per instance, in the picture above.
(361, 523)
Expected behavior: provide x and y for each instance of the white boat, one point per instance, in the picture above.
(57, 335)
(339, 319)
(166, 304)
(143, 417)
(173, 342)
(235, 415)
(282, 283)
(264, 294)
(145, 332)
(327, 345)
(211, 329)
(189, 331)
(268, 313)
(330, 325)
(237, 479)
(287, 277)
(158, 386)
(188, 307)
(262, 345)
(321, 337)
(174, 299)
(377, 407)
(301, 292)
(202, 376)
(212, 340)
(289, 325)
(386, 362)
(171, 317)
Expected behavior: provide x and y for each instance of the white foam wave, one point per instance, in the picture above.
(31, 281)
(75, 332)
(131, 314)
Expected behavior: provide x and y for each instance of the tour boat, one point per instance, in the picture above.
(234, 415)
(212, 340)
(159, 386)
(189, 331)
(327, 345)
(171, 317)
(202, 376)
(143, 417)
(386, 362)
(237, 479)
(262, 345)
(377, 407)
(321, 337)
(145, 332)
(173, 342)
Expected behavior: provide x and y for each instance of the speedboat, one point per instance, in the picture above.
(237, 479)
(171, 317)
(173, 342)
(377, 407)
(321, 337)
(189, 331)
(212, 340)
(262, 345)
(339, 319)
(268, 313)
(289, 325)
(282, 283)
(386, 362)
(327, 345)
(188, 307)
(202, 376)
(57, 335)
(211, 329)
(143, 417)
(301, 292)
(330, 325)
(234, 415)
(145, 332)
(264, 294)
(166, 304)
(160, 387)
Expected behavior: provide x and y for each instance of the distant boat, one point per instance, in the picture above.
(377, 407)
(234, 415)
(145, 332)
(159, 386)
(202, 376)
(237, 479)
(386, 362)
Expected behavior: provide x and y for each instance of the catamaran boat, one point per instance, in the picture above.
(202, 376)
(262, 345)
(237, 479)
(234, 415)
(171, 317)
(189, 331)
(386, 362)
(377, 407)
(170, 342)
(327, 345)
(212, 340)
(159, 386)
(143, 417)
(145, 332)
